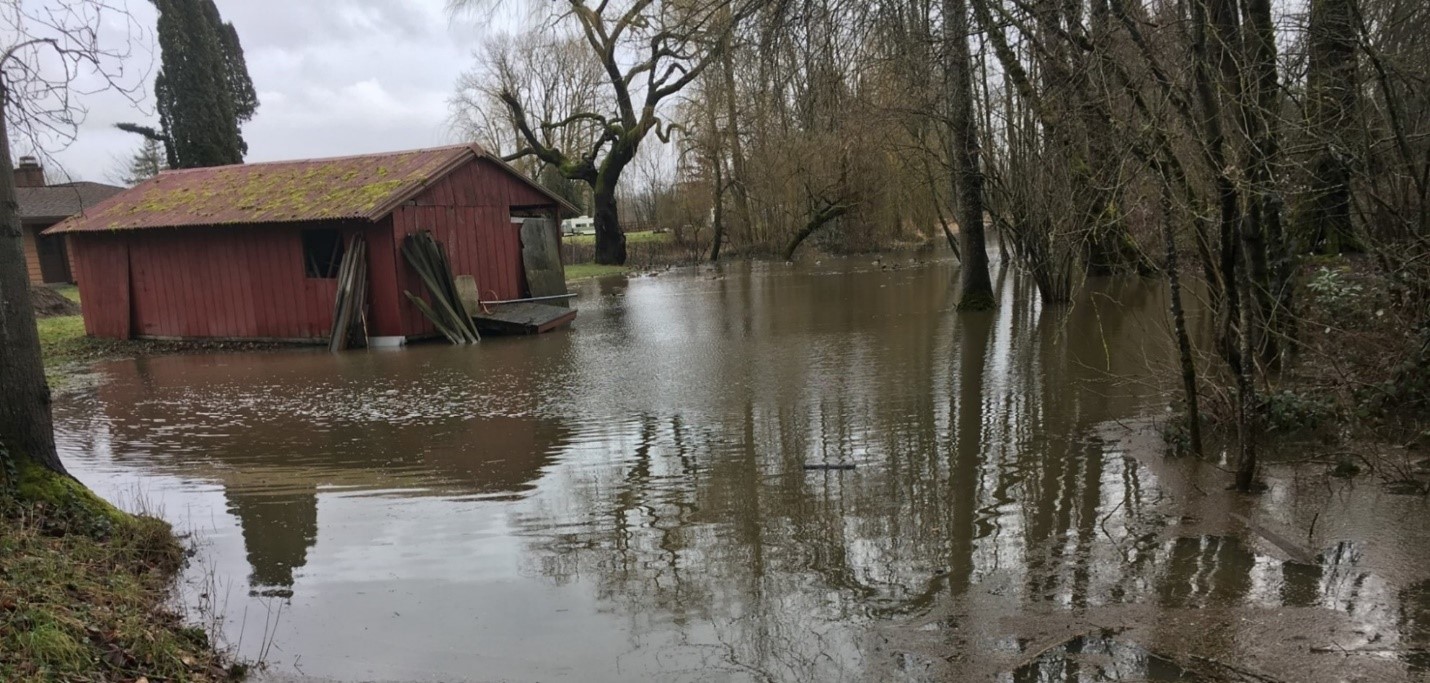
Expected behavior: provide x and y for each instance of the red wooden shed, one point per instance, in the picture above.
(251, 251)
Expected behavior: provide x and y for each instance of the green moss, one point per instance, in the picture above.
(62, 497)
(315, 189)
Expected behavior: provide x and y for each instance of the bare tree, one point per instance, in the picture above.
(647, 51)
(977, 288)
(51, 47)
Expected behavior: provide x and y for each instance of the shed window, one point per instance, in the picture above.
(322, 253)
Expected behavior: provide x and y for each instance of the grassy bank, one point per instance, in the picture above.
(85, 588)
(586, 271)
(62, 340)
(92, 604)
(644, 251)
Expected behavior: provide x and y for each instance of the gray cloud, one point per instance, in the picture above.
(333, 77)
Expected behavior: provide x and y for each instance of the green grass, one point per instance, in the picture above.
(586, 271)
(62, 339)
(70, 292)
(66, 349)
(631, 238)
(82, 603)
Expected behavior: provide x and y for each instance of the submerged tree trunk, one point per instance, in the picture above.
(1179, 327)
(977, 294)
(610, 240)
(717, 209)
(27, 434)
(1246, 466)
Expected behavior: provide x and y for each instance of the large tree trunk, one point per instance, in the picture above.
(737, 177)
(27, 433)
(977, 294)
(1215, 76)
(717, 210)
(1246, 465)
(1331, 85)
(610, 240)
(1264, 242)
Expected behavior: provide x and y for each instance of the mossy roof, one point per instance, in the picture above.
(364, 187)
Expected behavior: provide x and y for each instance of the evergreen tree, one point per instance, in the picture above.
(203, 89)
(145, 163)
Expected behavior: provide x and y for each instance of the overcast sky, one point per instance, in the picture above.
(333, 78)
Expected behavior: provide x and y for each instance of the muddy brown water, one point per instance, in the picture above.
(629, 499)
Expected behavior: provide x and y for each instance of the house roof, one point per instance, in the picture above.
(366, 187)
(57, 202)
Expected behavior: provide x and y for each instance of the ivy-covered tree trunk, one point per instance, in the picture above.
(977, 287)
(27, 434)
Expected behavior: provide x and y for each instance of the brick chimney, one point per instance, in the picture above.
(29, 173)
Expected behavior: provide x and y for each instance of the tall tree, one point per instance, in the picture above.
(647, 51)
(977, 287)
(1331, 85)
(203, 89)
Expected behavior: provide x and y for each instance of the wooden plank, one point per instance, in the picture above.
(178, 257)
(259, 291)
(250, 284)
(124, 311)
(541, 259)
(237, 293)
(225, 323)
(523, 318)
(147, 304)
(382, 277)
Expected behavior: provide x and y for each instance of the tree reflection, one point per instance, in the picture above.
(278, 529)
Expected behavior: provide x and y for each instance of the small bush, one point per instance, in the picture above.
(1408, 385)
(1340, 297)
(1289, 411)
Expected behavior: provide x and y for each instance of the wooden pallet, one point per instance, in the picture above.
(523, 318)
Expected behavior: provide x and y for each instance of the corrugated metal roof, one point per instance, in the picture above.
(364, 187)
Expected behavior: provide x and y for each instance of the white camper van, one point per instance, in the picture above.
(581, 225)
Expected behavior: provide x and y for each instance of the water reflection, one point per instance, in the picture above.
(629, 500)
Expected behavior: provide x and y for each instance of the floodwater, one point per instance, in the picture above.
(629, 499)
